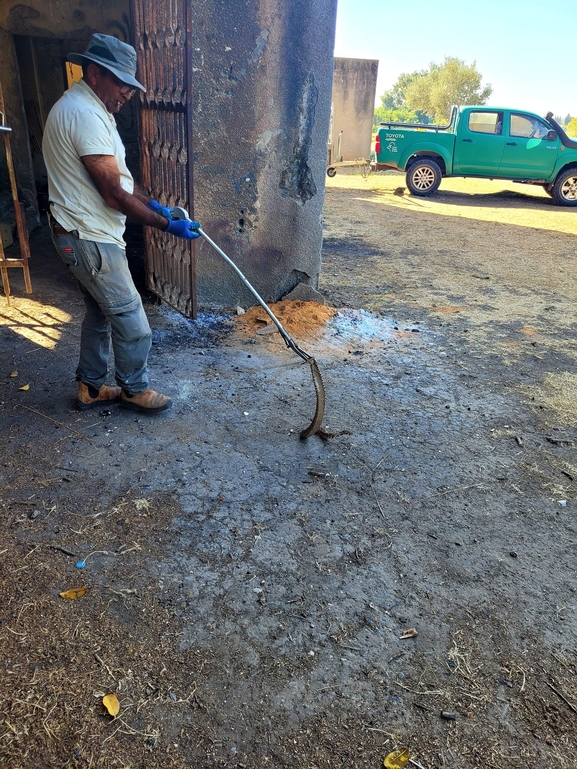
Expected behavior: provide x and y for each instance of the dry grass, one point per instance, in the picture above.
(558, 393)
(62, 656)
(479, 199)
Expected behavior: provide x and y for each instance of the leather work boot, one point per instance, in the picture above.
(103, 397)
(148, 402)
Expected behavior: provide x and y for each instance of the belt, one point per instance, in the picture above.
(58, 229)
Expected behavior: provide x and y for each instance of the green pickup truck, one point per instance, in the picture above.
(483, 142)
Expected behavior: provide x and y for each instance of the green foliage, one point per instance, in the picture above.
(431, 93)
(401, 115)
(395, 98)
(393, 106)
(452, 82)
(571, 127)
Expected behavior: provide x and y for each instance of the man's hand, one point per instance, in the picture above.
(103, 170)
(183, 228)
(158, 208)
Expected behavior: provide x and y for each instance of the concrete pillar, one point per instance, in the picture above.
(16, 119)
(262, 74)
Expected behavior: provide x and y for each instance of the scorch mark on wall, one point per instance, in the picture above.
(296, 180)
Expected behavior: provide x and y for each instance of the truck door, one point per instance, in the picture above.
(479, 143)
(528, 153)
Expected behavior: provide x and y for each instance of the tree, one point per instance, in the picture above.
(401, 115)
(452, 82)
(571, 127)
(393, 107)
(395, 97)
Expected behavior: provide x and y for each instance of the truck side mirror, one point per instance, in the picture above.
(551, 136)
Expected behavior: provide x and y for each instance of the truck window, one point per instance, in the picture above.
(486, 122)
(528, 127)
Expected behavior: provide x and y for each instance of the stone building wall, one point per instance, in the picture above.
(262, 76)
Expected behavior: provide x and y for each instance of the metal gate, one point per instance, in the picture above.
(162, 42)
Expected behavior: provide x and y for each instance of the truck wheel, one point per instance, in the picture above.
(564, 190)
(331, 171)
(423, 177)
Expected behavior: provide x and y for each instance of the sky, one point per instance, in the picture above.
(523, 48)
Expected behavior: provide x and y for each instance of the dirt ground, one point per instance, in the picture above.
(251, 597)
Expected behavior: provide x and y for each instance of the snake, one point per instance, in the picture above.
(315, 425)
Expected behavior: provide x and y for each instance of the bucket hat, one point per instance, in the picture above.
(113, 54)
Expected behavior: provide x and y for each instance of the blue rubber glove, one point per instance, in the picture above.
(183, 228)
(158, 208)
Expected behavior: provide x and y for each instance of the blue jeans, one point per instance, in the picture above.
(113, 310)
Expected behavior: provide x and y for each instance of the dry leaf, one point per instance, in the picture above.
(397, 759)
(13, 373)
(111, 704)
(410, 633)
(74, 593)
(24, 387)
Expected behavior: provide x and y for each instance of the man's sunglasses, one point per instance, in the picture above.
(125, 90)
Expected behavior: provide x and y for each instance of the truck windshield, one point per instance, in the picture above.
(486, 122)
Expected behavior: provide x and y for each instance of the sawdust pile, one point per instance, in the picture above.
(297, 317)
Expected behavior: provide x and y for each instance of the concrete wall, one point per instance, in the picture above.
(263, 73)
(354, 87)
(66, 18)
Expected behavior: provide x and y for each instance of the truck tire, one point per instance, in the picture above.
(423, 177)
(564, 190)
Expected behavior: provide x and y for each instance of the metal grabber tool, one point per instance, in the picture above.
(315, 425)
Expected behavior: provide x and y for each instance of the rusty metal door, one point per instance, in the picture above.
(162, 42)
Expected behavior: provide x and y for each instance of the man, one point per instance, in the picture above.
(539, 131)
(91, 193)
